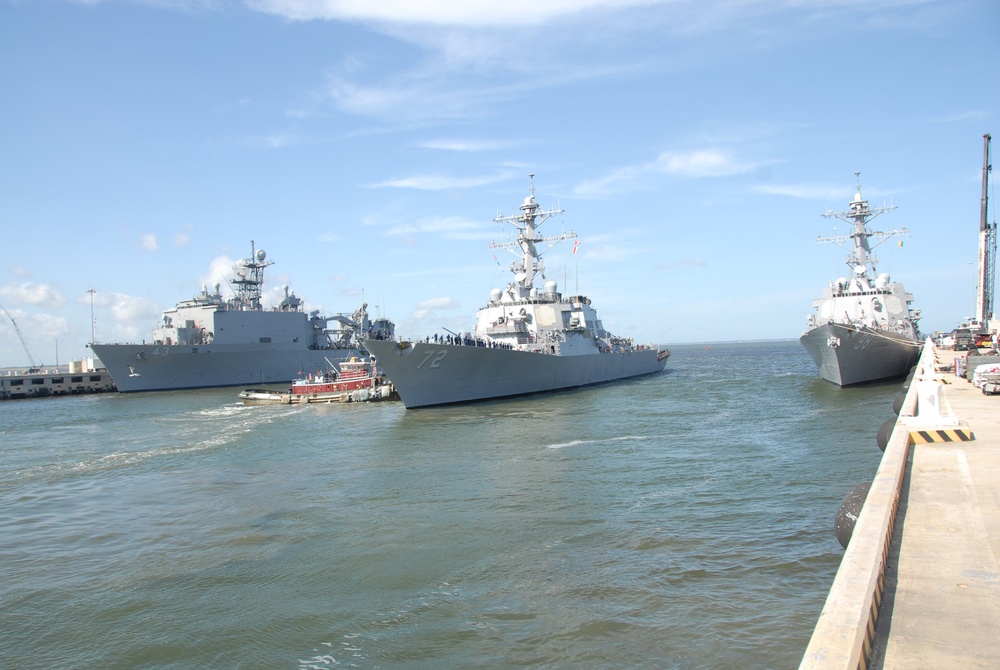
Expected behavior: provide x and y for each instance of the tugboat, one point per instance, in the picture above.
(527, 339)
(864, 329)
(357, 381)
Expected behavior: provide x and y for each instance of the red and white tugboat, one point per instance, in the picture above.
(355, 381)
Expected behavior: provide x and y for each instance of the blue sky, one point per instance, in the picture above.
(367, 147)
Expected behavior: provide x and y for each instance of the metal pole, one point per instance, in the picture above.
(93, 323)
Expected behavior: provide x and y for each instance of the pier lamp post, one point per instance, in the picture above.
(93, 323)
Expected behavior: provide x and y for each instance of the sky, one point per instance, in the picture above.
(367, 147)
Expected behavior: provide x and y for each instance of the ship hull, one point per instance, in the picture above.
(139, 367)
(849, 356)
(428, 374)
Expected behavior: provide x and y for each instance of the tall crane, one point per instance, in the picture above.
(987, 247)
(33, 368)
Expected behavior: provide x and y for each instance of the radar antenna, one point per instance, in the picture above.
(249, 279)
(859, 214)
(527, 223)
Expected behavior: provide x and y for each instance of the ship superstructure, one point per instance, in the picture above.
(209, 341)
(526, 339)
(864, 329)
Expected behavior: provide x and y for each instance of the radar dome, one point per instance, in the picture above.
(550, 286)
(882, 280)
(533, 293)
(261, 255)
(495, 295)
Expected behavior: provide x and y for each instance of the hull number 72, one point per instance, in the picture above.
(432, 358)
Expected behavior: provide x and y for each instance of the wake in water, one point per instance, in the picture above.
(623, 438)
(135, 442)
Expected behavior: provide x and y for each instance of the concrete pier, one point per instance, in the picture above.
(919, 583)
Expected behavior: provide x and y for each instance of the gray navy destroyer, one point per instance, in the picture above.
(527, 339)
(210, 341)
(864, 329)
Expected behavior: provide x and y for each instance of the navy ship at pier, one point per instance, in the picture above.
(864, 329)
(527, 338)
(211, 341)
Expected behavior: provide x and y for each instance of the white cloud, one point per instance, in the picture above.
(959, 117)
(804, 191)
(435, 92)
(439, 182)
(277, 140)
(465, 13)
(132, 309)
(126, 308)
(464, 145)
(40, 333)
(618, 180)
(444, 225)
(696, 163)
(148, 242)
(684, 262)
(220, 271)
(29, 293)
(702, 163)
(131, 319)
(434, 305)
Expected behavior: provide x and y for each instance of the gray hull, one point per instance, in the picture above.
(138, 367)
(427, 374)
(849, 356)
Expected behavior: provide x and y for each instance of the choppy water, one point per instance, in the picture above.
(683, 520)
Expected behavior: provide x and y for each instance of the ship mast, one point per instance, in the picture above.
(250, 279)
(860, 260)
(987, 246)
(527, 224)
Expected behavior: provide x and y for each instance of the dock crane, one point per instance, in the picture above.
(987, 248)
(31, 360)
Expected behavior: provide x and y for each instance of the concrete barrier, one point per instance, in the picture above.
(845, 631)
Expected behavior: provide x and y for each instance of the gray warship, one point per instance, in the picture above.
(527, 339)
(210, 341)
(864, 329)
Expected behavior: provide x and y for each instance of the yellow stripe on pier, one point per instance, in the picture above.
(929, 436)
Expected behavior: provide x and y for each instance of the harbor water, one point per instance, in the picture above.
(680, 520)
